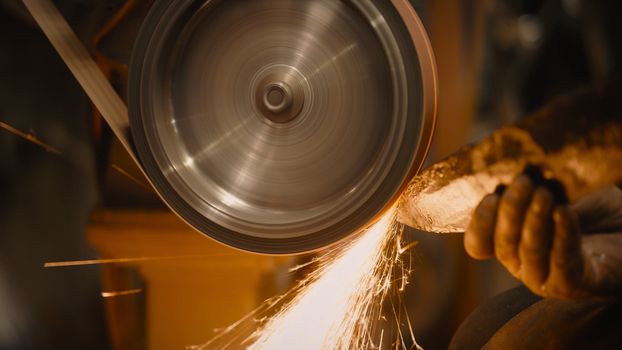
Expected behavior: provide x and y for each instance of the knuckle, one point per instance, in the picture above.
(482, 210)
(539, 213)
(543, 197)
(507, 240)
(521, 186)
(490, 201)
(535, 244)
(530, 240)
(512, 199)
(514, 206)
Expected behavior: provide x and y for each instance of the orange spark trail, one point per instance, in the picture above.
(30, 137)
(339, 305)
(328, 313)
(121, 293)
(126, 260)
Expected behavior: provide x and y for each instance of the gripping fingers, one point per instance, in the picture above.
(510, 215)
(478, 238)
(567, 264)
(536, 240)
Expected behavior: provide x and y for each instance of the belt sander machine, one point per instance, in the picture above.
(283, 126)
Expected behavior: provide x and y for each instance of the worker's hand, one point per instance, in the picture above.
(539, 241)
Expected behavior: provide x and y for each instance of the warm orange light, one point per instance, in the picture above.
(338, 305)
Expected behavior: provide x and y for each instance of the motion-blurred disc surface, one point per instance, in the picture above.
(279, 126)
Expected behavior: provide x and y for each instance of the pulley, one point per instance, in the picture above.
(281, 126)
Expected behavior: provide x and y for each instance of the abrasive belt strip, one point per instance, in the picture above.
(84, 69)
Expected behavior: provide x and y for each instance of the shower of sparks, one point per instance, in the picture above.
(339, 305)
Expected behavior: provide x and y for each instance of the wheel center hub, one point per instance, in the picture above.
(279, 96)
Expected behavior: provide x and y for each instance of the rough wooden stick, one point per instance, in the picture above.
(576, 139)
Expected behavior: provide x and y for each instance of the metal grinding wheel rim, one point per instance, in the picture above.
(280, 126)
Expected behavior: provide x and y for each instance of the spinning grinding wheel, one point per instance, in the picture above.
(281, 126)
(274, 126)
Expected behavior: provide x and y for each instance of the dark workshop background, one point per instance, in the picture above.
(497, 61)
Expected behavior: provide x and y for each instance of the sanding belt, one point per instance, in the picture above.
(85, 70)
